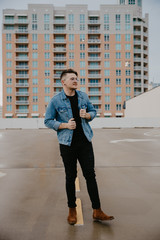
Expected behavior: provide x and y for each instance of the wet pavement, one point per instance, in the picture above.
(32, 186)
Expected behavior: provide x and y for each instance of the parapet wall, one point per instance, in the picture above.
(33, 123)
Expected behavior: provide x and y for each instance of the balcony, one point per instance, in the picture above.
(145, 69)
(137, 50)
(57, 75)
(145, 60)
(137, 42)
(59, 67)
(94, 93)
(94, 75)
(94, 67)
(22, 93)
(145, 77)
(20, 102)
(19, 67)
(137, 76)
(8, 21)
(137, 59)
(22, 85)
(145, 43)
(94, 84)
(61, 59)
(59, 31)
(137, 68)
(21, 40)
(59, 49)
(145, 34)
(138, 33)
(61, 22)
(57, 85)
(145, 52)
(94, 40)
(22, 49)
(60, 40)
(22, 21)
(94, 58)
(93, 22)
(22, 111)
(23, 58)
(22, 76)
(145, 85)
(95, 101)
(137, 85)
(22, 31)
(137, 93)
(96, 31)
(94, 49)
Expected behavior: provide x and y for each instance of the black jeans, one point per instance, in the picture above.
(83, 151)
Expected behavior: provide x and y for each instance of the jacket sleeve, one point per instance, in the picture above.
(50, 116)
(90, 109)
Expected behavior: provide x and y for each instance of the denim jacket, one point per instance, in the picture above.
(59, 111)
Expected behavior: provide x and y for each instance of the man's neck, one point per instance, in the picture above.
(70, 92)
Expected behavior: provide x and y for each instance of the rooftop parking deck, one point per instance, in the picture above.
(32, 186)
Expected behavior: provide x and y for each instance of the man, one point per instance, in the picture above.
(68, 113)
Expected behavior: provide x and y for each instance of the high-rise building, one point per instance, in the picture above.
(107, 47)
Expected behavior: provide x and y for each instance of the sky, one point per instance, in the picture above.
(149, 6)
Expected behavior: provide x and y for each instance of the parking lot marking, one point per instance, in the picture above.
(132, 140)
(80, 221)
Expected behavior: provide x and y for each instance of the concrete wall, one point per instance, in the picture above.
(146, 105)
(32, 123)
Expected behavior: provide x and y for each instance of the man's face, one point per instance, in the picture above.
(70, 81)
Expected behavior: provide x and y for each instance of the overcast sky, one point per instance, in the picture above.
(149, 6)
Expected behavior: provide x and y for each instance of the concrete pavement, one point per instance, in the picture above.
(32, 186)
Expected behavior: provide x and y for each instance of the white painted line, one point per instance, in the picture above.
(155, 133)
(132, 140)
(77, 185)
(2, 174)
(80, 221)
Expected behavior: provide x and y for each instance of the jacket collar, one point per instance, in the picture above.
(65, 97)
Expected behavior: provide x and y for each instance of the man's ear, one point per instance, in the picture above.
(62, 81)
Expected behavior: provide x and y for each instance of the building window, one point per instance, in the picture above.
(82, 64)
(34, 26)
(107, 81)
(127, 18)
(82, 37)
(106, 27)
(9, 64)
(34, 46)
(71, 64)
(9, 98)
(107, 72)
(83, 89)
(8, 55)
(107, 98)
(34, 72)
(118, 81)
(118, 107)
(118, 64)
(82, 18)
(128, 81)
(118, 27)
(82, 73)
(8, 37)
(118, 72)
(34, 37)
(35, 98)
(35, 89)
(106, 55)
(47, 73)
(9, 90)
(128, 55)
(106, 46)
(106, 64)
(46, 37)
(47, 90)
(35, 81)
(118, 37)
(47, 64)
(47, 55)
(128, 97)
(34, 18)
(118, 18)
(71, 46)
(82, 55)
(122, 2)
(8, 46)
(131, 2)
(106, 37)
(9, 108)
(127, 46)
(127, 27)
(106, 18)
(34, 55)
(46, 18)
(118, 55)
(9, 81)
(118, 99)
(128, 72)
(118, 90)
(47, 99)
(127, 37)
(128, 90)
(107, 90)
(46, 26)
(35, 108)
(71, 37)
(82, 81)
(46, 46)
(140, 3)
(107, 107)
(71, 18)
(118, 46)
(47, 81)
(82, 47)
(71, 55)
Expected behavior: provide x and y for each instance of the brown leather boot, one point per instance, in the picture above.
(98, 214)
(72, 217)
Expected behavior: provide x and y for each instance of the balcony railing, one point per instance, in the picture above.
(137, 68)
(19, 67)
(21, 40)
(59, 31)
(137, 59)
(57, 75)
(96, 93)
(22, 85)
(137, 93)
(94, 59)
(95, 101)
(94, 40)
(57, 85)
(94, 31)
(21, 102)
(22, 111)
(94, 49)
(22, 31)
(59, 49)
(60, 67)
(137, 50)
(94, 67)
(94, 75)
(22, 93)
(60, 40)
(137, 42)
(137, 85)
(60, 59)
(93, 22)
(94, 85)
(22, 76)
(22, 21)
(137, 76)
(22, 49)
(137, 33)
(22, 58)
(56, 21)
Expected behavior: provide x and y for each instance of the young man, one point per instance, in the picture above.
(69, 113)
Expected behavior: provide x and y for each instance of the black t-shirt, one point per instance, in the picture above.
(78, 134)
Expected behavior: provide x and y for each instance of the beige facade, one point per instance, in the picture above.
(108, 48)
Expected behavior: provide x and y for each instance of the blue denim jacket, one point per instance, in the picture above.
(59, 111)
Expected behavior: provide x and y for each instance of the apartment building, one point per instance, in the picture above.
(107, 47)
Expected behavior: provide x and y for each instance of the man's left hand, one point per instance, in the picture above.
(84, 114)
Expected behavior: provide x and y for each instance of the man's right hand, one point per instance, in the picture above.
(71, 124)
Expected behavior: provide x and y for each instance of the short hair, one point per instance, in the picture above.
(64, 73)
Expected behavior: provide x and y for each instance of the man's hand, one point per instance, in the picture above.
(71, 124)
(84, 114)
